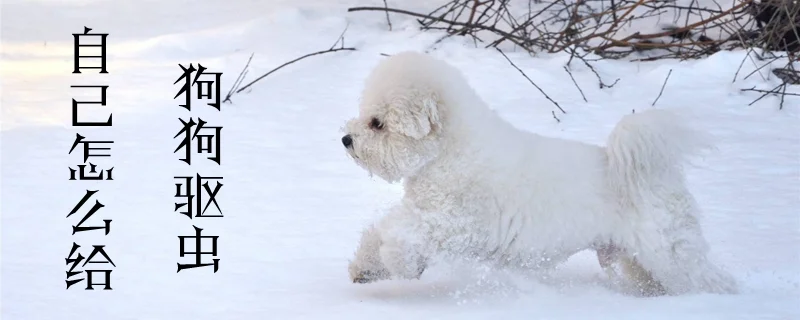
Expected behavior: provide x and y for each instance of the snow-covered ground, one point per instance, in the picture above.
(294, 203)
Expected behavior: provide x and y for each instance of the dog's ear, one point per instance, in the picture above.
(423, 118)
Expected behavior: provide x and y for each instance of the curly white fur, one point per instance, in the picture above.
(475, 186)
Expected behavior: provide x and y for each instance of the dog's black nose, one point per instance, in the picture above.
(347, 141)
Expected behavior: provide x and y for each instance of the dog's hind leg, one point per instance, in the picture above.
(676, 253)
(646, 157)
(626, 271)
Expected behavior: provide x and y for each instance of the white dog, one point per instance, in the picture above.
(477, 187)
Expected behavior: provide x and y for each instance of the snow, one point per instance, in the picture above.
(295, 204)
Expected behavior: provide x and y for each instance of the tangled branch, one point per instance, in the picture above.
(617, 29)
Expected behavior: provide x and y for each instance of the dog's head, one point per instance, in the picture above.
(399, 125)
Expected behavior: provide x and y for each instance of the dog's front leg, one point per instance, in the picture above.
(405, 242)
(367, 266)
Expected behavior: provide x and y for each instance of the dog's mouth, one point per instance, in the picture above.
(351, 152)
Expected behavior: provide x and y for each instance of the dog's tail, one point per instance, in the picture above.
(647, 153)
(650, 149)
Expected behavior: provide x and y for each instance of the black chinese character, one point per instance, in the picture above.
(97, 206)
(87, 153)
(206, 89)
(207, 142)
(101, 45)
(201, 186)
(198, 253)
(102, 102)
(81, 171)
(90, 274)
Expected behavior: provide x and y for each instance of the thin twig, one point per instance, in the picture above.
(386, 5)
(735, 75)
(554, 116)
(529, 80)
(783, 96)
(599, 79)
(762, 67)
(662, 88)
(239, 79)
(341, 37)
(576, 84)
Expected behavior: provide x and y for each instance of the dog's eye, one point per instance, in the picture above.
(376, 124)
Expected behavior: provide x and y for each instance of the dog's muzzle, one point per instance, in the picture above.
(347, 141)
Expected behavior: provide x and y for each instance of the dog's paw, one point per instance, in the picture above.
(368, 276)
(367, 271)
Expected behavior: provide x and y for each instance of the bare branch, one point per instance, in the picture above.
(388, 21)
(293, 61)
(339, 41)
(531, 81)
(576, 83)
(239, 79)
(662, 88)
